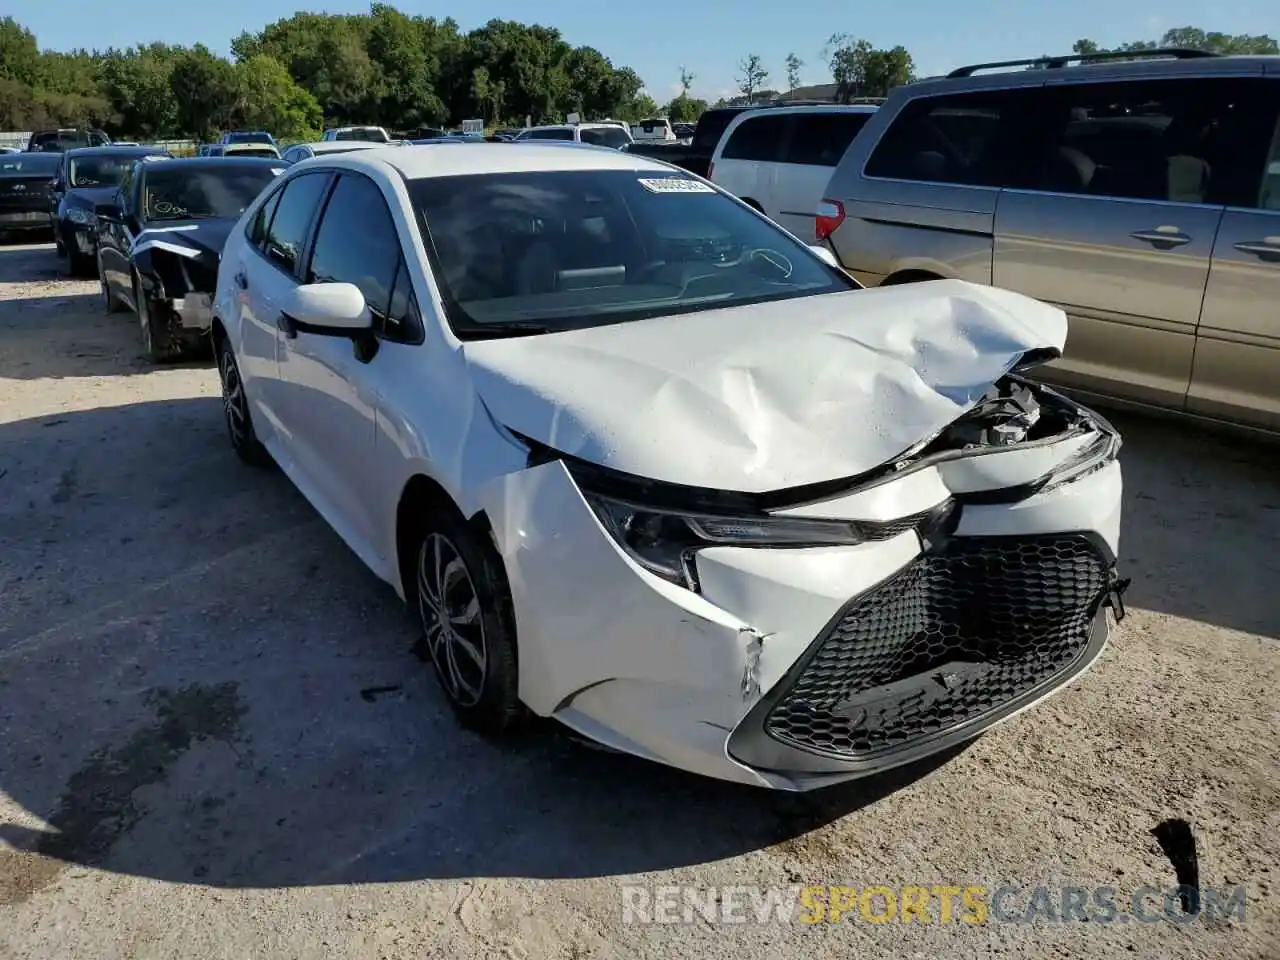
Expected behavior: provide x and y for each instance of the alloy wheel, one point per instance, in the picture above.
(233, 399)
(451, 620)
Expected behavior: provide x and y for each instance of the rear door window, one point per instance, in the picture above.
(820, 139)
(757, 138)
(1201, 141)
(978, 139)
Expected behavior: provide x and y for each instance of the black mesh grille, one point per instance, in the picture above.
(956, 635)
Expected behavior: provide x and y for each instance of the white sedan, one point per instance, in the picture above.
(646, 463)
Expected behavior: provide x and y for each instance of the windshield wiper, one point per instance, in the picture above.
(498, 331)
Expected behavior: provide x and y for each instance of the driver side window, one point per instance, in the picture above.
(357, 242)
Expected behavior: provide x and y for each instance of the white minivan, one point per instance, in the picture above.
(780, 160)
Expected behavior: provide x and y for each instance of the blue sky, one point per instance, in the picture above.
(709, 37)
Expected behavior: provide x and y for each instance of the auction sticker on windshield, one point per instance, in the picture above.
(675, 185)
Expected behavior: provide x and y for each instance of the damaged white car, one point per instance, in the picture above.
(645, 463)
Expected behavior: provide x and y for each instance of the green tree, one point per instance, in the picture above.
(685, 109)
(1192, 38)
(793, 64)
(270, 100)
(751, 76)
(861, 70)
(206, 91)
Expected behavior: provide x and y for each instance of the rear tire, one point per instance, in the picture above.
(235, 407)
(464, 604)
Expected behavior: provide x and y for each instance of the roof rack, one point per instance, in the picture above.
(1057, 63)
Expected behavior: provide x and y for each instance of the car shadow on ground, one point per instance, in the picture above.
(73, 336)
(200, 683)
(1201, 529)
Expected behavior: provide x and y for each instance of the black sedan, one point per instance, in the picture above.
(161, 237)
(26, 182)
(88, 176)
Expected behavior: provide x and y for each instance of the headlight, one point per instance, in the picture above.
(81, 216)
(664, 542)
(1089, 459)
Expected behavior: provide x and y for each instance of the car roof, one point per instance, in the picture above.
(215, 163)
(1153, 66)
(112, 150)
(325, 146)
(809, 108)
(458, 159)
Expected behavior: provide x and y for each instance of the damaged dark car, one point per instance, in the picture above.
(160, 239)
(88, 177)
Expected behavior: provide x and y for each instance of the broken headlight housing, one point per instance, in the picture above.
(1090, 458)
(664, 542)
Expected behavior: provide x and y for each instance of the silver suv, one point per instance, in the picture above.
(1143, 197)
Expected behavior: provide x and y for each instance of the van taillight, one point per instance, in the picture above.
(829, 217)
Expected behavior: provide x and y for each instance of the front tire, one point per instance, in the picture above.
(235, 408)
(158, 343)
(109, 302)
(464, 603)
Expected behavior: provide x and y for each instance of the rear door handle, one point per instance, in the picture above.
(1162, 238)
(1268, 249)
(241, 280)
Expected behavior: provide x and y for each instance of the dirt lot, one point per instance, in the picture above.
(196, 759)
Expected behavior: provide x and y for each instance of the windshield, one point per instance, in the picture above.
(29, 165)
(181, 193)
(249, 138)
(265, 151)
(605, 136)
(99, 171)
(518, 253)
(550, 133)
(367, 134)
(66, 140)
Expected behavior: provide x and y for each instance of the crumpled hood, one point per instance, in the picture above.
(766, 397)
(191, 238)
(89, 197)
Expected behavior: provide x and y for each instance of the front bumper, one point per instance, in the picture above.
(24, 220)
(797, 668)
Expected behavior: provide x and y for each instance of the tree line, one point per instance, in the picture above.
(858, 69)
(310, 70)
(399, 71)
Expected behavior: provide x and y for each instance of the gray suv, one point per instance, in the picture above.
(1142, 197)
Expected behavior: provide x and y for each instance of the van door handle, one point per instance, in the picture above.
(1162, 238)
(241, 280)
(1268, 249)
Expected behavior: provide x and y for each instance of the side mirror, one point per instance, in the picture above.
(825, 255)
(327, 310)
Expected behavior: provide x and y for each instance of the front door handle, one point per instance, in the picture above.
(1162, 238)
(241, 280)
(1266, 249)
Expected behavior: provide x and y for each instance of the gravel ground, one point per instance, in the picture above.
(215, 740)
